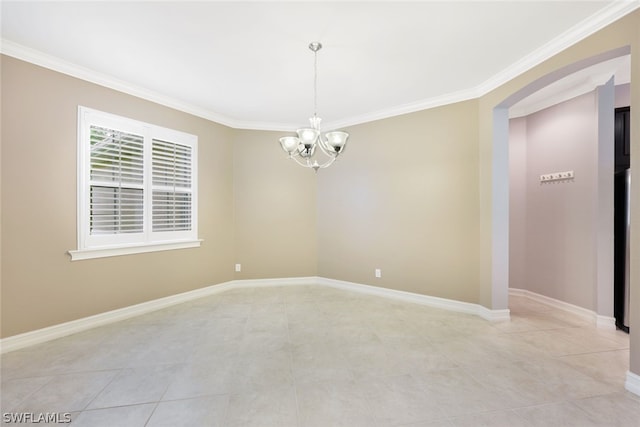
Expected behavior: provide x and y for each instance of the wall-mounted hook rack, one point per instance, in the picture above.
(557, 176)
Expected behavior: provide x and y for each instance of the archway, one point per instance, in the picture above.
(500, 173)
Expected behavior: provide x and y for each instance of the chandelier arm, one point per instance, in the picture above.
(308, 164)
(298, 161)
(329, 163)
(329, 160)
(323, 148)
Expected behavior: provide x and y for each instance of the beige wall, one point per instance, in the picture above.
(275, 210)
(40, 285)
(404, 198)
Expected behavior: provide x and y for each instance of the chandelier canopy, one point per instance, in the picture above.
(302, 148)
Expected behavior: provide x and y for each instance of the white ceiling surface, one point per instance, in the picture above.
(247, 65)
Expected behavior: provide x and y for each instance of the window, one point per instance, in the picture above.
(137, 187)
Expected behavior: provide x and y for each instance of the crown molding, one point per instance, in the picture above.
(425, 104)
(587, 27)
(36, 57)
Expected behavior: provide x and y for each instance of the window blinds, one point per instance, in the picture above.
(171, 182)
(116, 182)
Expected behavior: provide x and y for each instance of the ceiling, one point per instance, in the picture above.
(247, 65)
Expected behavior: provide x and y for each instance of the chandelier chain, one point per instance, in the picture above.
(315, 82)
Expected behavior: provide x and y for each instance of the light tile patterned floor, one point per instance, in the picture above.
(316, 356)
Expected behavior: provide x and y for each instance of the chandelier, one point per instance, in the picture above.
(302, 148)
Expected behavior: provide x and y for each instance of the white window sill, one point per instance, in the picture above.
(81, 254)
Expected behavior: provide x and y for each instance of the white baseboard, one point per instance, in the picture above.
(632, 383)
(603, 322)
(286, 281)
(38, 336)
(16, 342)
(503, 315)
(443, 303)
(519, 292)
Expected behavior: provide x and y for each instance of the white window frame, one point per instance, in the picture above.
(98, 246)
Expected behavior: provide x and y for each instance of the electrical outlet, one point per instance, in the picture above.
(378, 273)
(238, 268)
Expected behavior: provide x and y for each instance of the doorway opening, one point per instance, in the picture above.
(622, 218)
(600, 297)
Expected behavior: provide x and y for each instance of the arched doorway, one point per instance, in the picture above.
(500, 183)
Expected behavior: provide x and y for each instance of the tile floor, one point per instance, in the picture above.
(316, 356)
